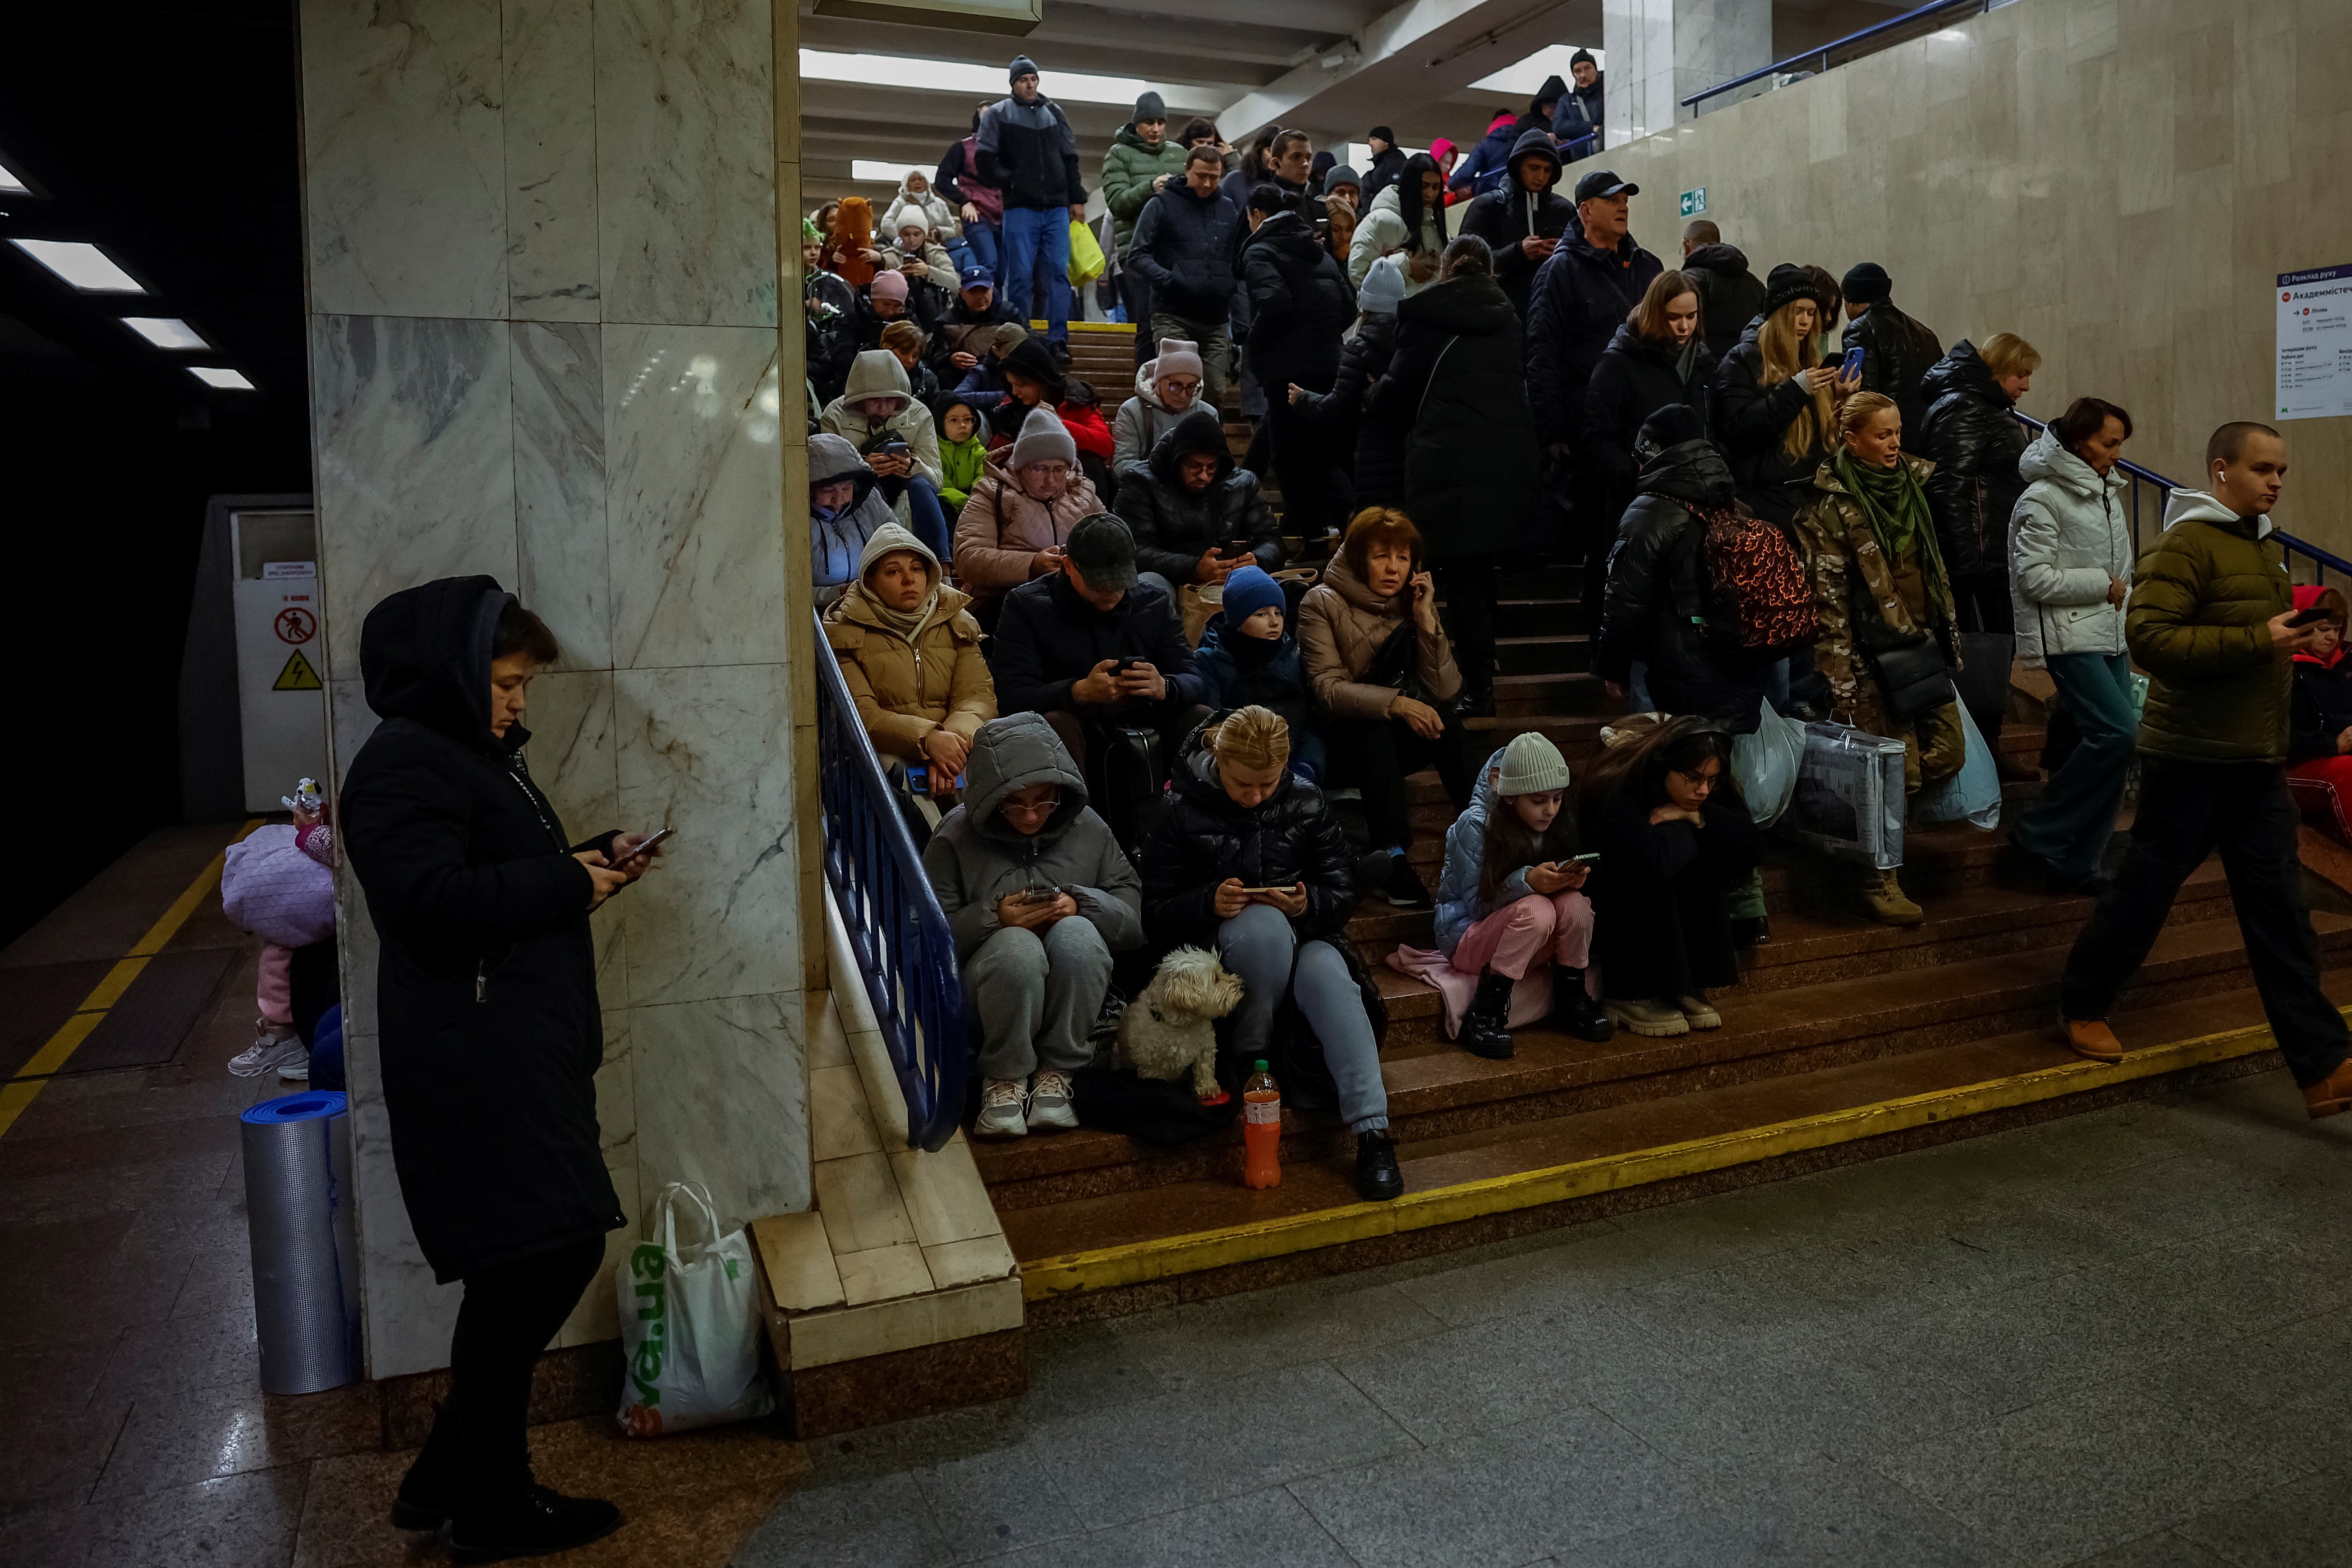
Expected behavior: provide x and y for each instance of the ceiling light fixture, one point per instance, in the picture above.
(10, 186)
(887, 174)
(981, 81)
(82, 264)
(166, 331)
(221, 376)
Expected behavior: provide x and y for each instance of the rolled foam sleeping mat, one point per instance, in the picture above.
(306, 1281)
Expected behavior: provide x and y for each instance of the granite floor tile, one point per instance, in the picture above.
(1501, 1499)
(2307, 1522)
(247, 1520)
(880, 1522)
(46, 1537)
(2163, 1202)
(176, 1437)
(991, 1503)
(1268, 1527)
(2166, 1549)
(1205, 1345)
(1088, 1367)
(1576, 1265)
(1258, 1426)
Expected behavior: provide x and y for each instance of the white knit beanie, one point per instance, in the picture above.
(1531, 765)
(1177, 357)
(1043, 438)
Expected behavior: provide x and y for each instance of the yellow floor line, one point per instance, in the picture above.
(1106, 1267)
(25, 1087)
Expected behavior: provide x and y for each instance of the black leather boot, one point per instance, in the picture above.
(539, 1521)
(1575, 1012)
(1377, 1176)
(1485, 1029)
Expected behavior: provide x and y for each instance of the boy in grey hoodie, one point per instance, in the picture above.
(1039, 896)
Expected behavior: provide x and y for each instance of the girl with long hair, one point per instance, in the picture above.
(1407, 217)
(1775, 402)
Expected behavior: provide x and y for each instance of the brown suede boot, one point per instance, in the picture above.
(2091, 1037)
(2331, 1095)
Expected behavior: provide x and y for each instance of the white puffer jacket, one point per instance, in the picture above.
(934, 207)
(2069, 535)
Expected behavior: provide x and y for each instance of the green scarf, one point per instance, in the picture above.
(1897, 506)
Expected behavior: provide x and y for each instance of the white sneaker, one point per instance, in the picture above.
(273, 1047)
(1049, 1101)
(1002, 1101)
(297, 1071)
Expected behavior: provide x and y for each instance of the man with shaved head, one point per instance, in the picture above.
(2212, 620)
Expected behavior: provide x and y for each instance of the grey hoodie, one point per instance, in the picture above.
(976, 856)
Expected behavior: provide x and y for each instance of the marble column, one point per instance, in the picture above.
(543, 283)
(1660, 51)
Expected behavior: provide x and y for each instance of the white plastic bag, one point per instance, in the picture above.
(689, 1327)
(1766, 763)
(1849, 799)
(1972, 794)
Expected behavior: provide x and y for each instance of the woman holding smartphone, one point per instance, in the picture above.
(1511, 900)
(490, 1034)
(1249, 861)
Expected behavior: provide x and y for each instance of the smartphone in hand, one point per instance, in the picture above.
(1850, 365)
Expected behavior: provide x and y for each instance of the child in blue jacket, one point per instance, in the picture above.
(1248, 655)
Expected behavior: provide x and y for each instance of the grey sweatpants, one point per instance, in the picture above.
(1258, 945)
(1038, 997)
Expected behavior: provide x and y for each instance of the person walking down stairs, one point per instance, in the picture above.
(1510, 898)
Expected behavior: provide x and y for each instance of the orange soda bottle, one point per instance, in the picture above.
(1261, 1129)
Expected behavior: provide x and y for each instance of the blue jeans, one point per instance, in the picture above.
(1034, 237)
(982, 238)
(2069, 826)
(1257, 946)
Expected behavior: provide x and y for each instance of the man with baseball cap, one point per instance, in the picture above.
(1095, 650)
(968, 326)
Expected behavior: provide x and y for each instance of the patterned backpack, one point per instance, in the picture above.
(1760, 595)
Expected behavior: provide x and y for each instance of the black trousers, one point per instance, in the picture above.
(1307, 466)
(2186, 810)
(478, 1456)
(1376, 755)
(1471, 594)
(1135, 290)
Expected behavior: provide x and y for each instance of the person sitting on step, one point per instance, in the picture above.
(1674, 838)
(2319, 733)
(1250, 861)
(1166, 389)
(1197, 518)
(1039, 896)
(1510, 898)
(1248, 656)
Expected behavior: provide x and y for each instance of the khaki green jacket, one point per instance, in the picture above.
(1128, 169)
(2218, 689)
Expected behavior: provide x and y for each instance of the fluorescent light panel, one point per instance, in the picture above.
(976, 81)
(1528, 74)
(10, 186)
(888, 174)
(166, 331)
(221, 376)
(82, 264)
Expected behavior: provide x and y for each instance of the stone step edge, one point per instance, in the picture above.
(1069, 1274)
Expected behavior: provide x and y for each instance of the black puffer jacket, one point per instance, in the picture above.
(491, 1034)
(1750, 419)
(1184, 246)
(1172, 527)
(1634, 379)
(1386, 170)
(1896, 352)
(1657, 606)
(1729, 294)
(1203, 836)
(1346, 411)
(1047, 640)
(1975, 442)
(1578, 300)
(1506, 216)
(1299, 304)
(1470, 463)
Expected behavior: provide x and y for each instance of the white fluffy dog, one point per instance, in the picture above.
(1172, 1026)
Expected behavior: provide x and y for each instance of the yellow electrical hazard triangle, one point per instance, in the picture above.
(297, 676)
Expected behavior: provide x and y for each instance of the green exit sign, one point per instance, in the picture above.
(1693, 202)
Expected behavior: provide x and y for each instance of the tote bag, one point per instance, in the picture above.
(690, 1326)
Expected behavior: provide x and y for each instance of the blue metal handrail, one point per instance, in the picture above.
(897, 929)
(1822, 54)
(2322, 562)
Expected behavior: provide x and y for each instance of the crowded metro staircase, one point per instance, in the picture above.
(1843, 1040)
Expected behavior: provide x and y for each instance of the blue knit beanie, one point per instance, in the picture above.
(1247, 591)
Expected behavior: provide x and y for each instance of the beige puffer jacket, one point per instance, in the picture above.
(1001, 530)
(1342, 625)
(905, 691)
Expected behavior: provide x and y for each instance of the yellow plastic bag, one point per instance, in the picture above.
(1085, 254)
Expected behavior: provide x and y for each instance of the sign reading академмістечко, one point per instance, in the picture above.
(2315, 343)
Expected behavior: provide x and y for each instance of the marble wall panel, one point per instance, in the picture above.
(403, 157)
(414, 440)
(722, 1099)
(708, 753)
(408, 1316)
(561, 570)
(693, 496)
(553, 274)
(686, 161)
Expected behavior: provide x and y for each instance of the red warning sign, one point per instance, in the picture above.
(296, 625)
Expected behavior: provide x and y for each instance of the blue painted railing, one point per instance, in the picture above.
(898, 932)
(1870, 34)
(2158, 490)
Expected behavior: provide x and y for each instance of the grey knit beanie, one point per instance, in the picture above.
(1531, 765)
(1044, 437)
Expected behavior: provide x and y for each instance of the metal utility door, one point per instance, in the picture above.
(282, 684)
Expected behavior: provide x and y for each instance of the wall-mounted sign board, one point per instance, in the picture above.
(2315, 343)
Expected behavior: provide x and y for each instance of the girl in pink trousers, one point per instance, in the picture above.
(279, 884)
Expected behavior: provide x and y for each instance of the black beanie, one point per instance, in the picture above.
(1671, 425)
(1867, 284)
(1022, 66)
(1382, 133)
(1150, 106)
(1788, 283)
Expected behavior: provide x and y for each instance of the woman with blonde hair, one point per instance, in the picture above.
(1775, 411)
(1971, 434)
(1248, 860)
(1886, 650)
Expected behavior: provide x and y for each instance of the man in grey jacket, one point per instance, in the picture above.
(1039, 896)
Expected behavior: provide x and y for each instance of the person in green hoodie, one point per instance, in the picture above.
(963, 452)
(1140, 163)
(2212, 620)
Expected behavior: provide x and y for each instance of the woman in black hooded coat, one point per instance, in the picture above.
(1470, 464)
(1644, 368)
(490, 1033)
(1299, 304)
